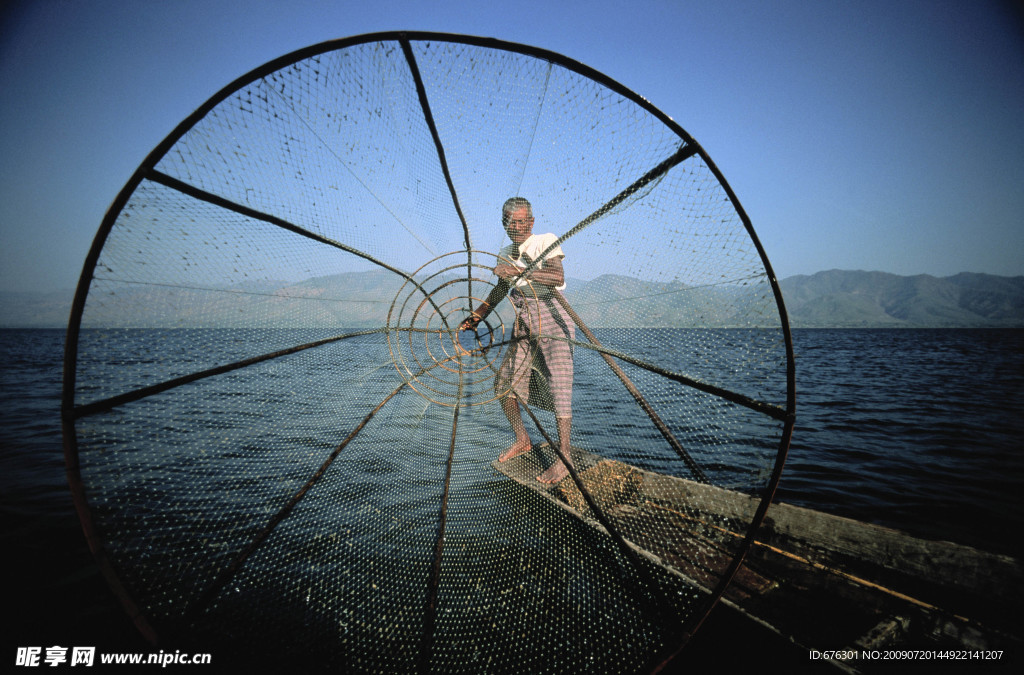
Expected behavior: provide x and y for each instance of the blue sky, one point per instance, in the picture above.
(858, 135)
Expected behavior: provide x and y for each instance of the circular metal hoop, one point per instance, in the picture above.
(276, 435)
(424, 337)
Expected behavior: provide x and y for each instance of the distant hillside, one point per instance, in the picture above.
(839, 298)
(835, 298)
(35, 310)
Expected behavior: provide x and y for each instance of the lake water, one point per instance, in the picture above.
(913, 429)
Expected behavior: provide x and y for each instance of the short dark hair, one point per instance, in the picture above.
(514, 204)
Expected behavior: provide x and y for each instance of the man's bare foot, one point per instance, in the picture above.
(516, 449)
(554, 474)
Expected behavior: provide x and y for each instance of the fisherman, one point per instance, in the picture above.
(540, 333)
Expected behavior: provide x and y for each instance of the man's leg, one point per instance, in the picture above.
(508, 385)
(522, 443)
(558, 363)
(557, 471)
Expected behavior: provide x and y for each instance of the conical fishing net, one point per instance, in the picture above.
(281, 443)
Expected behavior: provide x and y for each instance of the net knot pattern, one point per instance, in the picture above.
(443, 364)
(281, 445)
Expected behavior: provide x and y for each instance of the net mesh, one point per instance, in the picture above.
(284, 446)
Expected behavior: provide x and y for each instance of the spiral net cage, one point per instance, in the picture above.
(279, 440)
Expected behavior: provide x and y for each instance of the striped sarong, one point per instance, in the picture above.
(534, 355)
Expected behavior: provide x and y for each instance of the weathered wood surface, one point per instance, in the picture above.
(822, 581)
(688, 552)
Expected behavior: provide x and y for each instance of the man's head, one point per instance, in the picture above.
(517, 219)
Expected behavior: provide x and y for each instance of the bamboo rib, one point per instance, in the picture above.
(662, 427)
(818, 566)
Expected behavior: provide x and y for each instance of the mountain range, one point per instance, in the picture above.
(839, 298)
(834, 298)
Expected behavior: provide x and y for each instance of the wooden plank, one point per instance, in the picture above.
(686, 547)
(821, 581)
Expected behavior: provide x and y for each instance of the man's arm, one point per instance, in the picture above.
(551, 274)
(493, 298)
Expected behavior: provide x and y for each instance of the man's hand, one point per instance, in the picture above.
(505, 271)
(470, 323)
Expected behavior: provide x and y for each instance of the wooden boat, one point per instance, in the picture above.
(850, 592)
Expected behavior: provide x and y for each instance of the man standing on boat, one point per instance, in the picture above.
(540, 333)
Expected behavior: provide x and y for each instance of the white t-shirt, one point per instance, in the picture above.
(534, 245)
